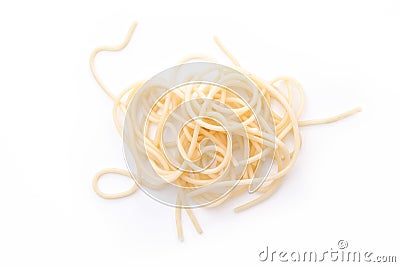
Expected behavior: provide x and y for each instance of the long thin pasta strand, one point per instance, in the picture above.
(178, 217)
(126, 193)
(226, 52)
(111, 49)
(194, 220)
(331, 119)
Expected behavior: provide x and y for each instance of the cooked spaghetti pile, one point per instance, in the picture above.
(204, 144)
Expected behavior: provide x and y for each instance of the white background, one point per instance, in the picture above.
(57, 131)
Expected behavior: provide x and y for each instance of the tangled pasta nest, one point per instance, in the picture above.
(205, 158)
